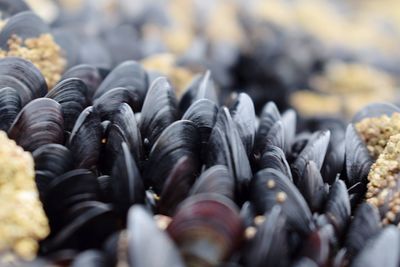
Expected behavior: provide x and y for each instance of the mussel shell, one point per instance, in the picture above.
(108, 103)
(127, 186)
(365, 225)
(289, 126)
(274, 158)
(88, 74)
(85, 139)
(275, 137)
(53, 158)
(315, 151)
(144, 238)
(159, 110)
(337, 208)
(269, 247)
(25, 25)
(23, 91)
(25, 72)
(38, 123)
(358, 160)
(317, 246)
(217, 180)
(203, 113)
(11, 7)
(201, 87)
(268, 117)
(125, 119)
(218, 221)
(375, 110)
(178, 184)
(10, 105)
(67, 190)
(382, 250)
(129, 75)
(244, 116)
(305, 262)
(312, 187)
(225, 148)
(90, 258)
(112, 148)
(265, 189)
(70, 93)
(91, 223)
(179, 139)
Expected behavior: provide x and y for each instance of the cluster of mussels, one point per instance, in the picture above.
(108, 167)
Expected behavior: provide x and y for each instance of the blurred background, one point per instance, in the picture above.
(322, 57)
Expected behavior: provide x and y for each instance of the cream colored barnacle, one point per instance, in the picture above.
(22, 221)
(43, 52)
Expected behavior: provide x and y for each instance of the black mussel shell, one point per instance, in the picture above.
(375, 110)
(244, 116)
(90, 258)
(179, 139)
(91, 223)
(358, 160)
(178, 184)
(217, 180)
(289, 126)
(270, 187)
(274, 158)
(127, 184)
(129, 75)
(337, 207)
(365, 225)
(26, 73)
(269, 247)
(88, 74)
(275, 137)
(11, 7)
(39, 123)
(126, 120)
(112, 148)
(382, 250)
(226, 148)
(268, 117)
(315, 151)
(70, 93)
(144, 238)
(42, 180)
(317, 246)
(23, 91)
(203, 113)
(25, 25)
(10, 106)
(108, 103)
(67, 190)
(305, 262)
(217, 219)
(85, 139)
(105, 187)
(201, 87)
(312, 187)
(53, 158)
(159, 110)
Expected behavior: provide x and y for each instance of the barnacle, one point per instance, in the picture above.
(43, 52)
(23, 221)
(376, 132)
(383, 180)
